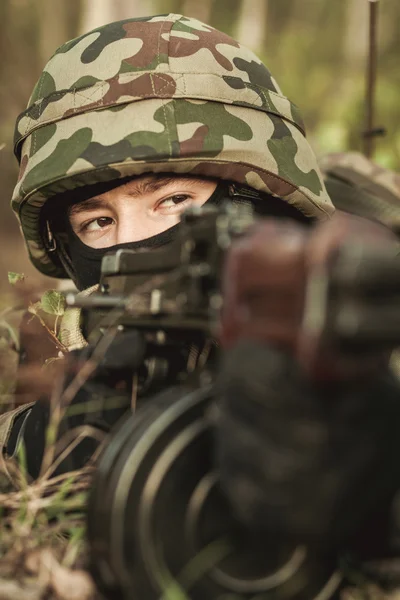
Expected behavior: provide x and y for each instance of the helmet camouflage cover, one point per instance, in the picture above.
(159, 94)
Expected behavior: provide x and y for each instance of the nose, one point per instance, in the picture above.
(126, 230)
(134, 223)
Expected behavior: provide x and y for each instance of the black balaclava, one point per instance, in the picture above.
(83, 263)
(87, 261)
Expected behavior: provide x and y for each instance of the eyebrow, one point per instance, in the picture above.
(89, 204)
(141, 187)
(153, 185)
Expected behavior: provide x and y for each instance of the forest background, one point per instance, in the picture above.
(316, 49)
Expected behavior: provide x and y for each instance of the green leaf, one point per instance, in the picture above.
(53, 303)
(14, 278)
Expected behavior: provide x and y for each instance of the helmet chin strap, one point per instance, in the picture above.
(65, 259)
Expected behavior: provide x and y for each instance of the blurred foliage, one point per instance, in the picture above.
(316, 49)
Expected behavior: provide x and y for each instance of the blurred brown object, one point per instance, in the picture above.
(35, 382)
(265, 282)
(29, 346)
(38, 343)
(39, 356)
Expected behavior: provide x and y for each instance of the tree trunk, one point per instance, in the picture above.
(356, 39)
(252, 24)
(100, 12)
(55, 28)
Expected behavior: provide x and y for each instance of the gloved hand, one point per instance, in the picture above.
(304, 462)
(305, 443)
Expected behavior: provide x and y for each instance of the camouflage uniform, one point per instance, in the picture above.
(359, 186)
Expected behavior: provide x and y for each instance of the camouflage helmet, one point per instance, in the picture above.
(158, 94)
(359, 186)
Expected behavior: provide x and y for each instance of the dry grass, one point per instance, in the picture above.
(42, 523)
(42, 537)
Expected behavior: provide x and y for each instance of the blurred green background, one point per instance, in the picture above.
(316, 49)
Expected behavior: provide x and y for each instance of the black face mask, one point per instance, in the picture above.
(86, 261)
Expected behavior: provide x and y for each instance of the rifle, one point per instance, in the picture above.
(156, 509)
(173, 293)
(169, 295)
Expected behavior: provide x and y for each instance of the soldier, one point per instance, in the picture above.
(128, 125)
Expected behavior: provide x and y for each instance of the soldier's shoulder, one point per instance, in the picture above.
(360, 186)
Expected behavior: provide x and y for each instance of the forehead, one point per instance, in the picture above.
(153, 183)
(140, 186)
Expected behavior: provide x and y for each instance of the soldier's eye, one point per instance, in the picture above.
(98, 224)
(175, 200)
